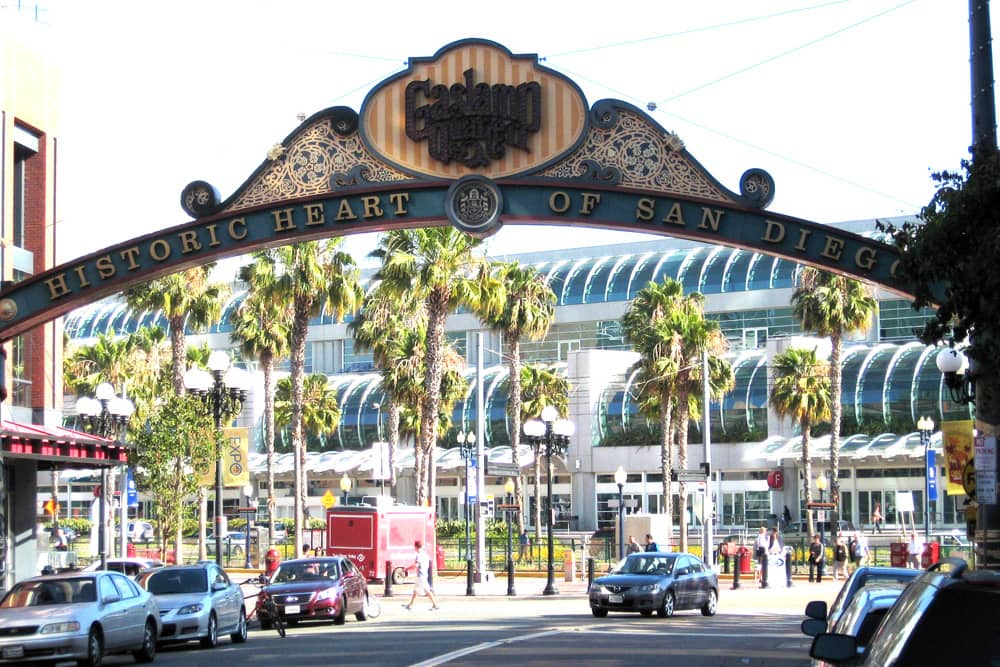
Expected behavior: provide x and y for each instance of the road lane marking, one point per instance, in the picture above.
(454, 655)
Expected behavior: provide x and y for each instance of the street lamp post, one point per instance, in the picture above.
(467, 445)
(345, 488)
(248, 492)
(107, 416)
(821, 485)
(620, 478)
(222, 390)
(555, 433)
(926, 425)
(509, 501)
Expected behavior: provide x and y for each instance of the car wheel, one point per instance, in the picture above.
(240, 635)
(398, 575)
(363, 614)
(712, 605)
(148, 651)
(598, 612)
(666, 610)
(95, 650)
(646, 612)
(340, 618)
(211, 639)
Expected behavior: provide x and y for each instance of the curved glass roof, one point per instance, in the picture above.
(602, 278)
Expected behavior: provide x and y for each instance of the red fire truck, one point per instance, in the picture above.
(371, 535)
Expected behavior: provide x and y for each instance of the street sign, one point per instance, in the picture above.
(509, 508)
(495, 469)
(932, 493)
(969, 479)
(328, 499)
(821, 506)
(686, 476)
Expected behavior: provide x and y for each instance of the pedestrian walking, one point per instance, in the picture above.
(651, 545)
(633, 546)
(877, 519)
(839, 559)
(760, 554)
(817, 555)
(422, 586)
(525, 555)
(913, 551)
(859, 549)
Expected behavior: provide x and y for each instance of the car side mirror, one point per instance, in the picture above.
(813, 626)
(219, 586)
(683, 572)
(817, 609)
(833, 648)
(113, 597)
(263, 580)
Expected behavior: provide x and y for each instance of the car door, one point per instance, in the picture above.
(222, 597)
(354, 584)
(685, 582)
(113, 612)
(134, 618)
(699, 583)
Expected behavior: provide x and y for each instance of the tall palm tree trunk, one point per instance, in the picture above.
(178, 353)
(807, 476)
(666, 456)
(538, 493)
(437, 310)
(683, 418)
(393, 439)
(298, 357)
(514, 405)
(836, 409)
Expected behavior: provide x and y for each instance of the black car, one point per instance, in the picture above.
(817, 609)
(946, 616)
(653, 581)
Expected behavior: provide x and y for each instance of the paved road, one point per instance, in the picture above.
(753, 627)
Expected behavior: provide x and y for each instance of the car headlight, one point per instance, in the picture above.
(597, 588)
(57, 628)
(648, 588)
(191, 609)
(328, 594)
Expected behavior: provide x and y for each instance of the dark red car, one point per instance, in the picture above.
(317, 589)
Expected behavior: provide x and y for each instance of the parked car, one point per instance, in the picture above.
(860, 618)
(141, 531)
(317, 589)
(197, 602)
(954, 538)
(280, 534)
(80, 616)
(233, 544)
(817, 609)
(661, 582)
(946, 616)
(130, 567)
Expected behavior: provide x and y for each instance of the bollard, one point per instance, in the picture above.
(788, 568)
(736, 574)
(590, 572)
(764, 583)
(724, 548)
(388, 580)
(470, 588)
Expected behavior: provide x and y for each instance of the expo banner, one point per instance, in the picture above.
(956, 440)
(235, 460)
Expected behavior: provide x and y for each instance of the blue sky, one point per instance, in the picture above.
(849, 104)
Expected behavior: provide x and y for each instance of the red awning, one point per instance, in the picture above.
(57, 445)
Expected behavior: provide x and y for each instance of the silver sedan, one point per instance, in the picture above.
(197, 602)
(78, 616)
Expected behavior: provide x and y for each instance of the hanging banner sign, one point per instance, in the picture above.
(956, 439)
(932, 478)
(986, 469)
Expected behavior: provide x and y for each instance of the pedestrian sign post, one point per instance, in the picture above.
(328, 499)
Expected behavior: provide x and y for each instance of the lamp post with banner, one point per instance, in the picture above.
(467, 446)
(620, 478)
(926, 425)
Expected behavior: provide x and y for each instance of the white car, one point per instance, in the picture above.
(130, 567)
(140, 531)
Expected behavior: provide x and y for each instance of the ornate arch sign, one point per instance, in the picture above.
(474, 136)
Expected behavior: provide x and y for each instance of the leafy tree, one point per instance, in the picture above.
(313, 277)
(801, 391)
(176, 439)
(832, 305)
(320, 412)
(522, 306)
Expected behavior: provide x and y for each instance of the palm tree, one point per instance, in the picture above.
(261, 327)
(801, 391)
(541, 386)
(313, 276)
(187, 299)
(526, 309)
(833, 305)
(647, 325)
(392, 326)
(437, 266)
(320, 411)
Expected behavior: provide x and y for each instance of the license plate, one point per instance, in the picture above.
(291, 608)
(616, 599)
(11, 652)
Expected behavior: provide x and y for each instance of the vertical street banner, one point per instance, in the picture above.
(956, 441)
(235, 457)
(380, 460)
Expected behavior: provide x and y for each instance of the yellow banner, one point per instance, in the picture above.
(235, 455)
(957, 436)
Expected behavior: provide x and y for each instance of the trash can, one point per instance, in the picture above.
(743, 559)
(130, 550)
(569, 565)
(898, 554)
(931, 554)
(439, 563)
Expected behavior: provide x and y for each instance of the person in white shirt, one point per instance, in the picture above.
(422, 562)
(760, 553)
(914, 550)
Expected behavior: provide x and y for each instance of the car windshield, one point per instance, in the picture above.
(177, 582)
(642, 564)
(40, 593)
(301, 570)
